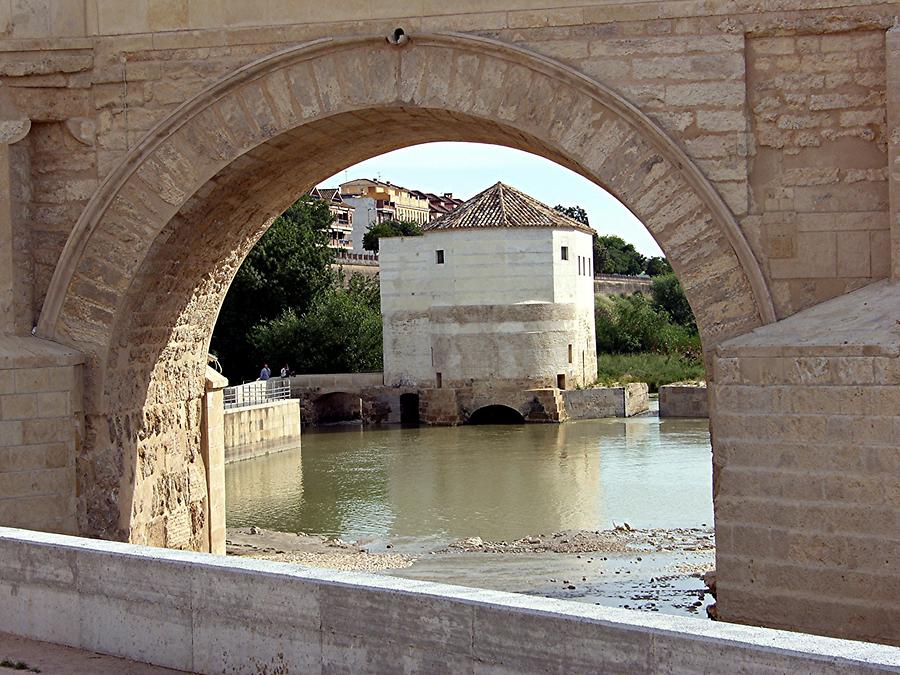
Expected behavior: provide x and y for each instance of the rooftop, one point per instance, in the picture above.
(503, 206)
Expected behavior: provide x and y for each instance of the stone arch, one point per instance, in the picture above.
(143, 274)
(337, 407)
(496, 413)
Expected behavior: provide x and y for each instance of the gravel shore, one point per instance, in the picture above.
(310, 550)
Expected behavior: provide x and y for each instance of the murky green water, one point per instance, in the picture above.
(418, 488)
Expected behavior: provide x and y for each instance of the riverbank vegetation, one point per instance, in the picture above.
(287, 305)
(650, 339)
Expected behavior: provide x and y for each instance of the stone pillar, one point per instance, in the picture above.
(15, 261)
(212, 447)
(892, 80)
(805, 448)
(41, 430)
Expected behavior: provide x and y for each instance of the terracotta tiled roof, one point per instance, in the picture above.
(503, 206)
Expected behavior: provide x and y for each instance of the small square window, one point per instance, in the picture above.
(439, 257)
(564, 251)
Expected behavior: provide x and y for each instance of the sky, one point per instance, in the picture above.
(465, 169)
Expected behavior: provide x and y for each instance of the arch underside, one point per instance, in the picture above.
(144, 274)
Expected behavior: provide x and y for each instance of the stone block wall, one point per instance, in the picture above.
(806, 480)
(261, 429)
(41, 423)
(625, 401)
(683, 400)
(819, 174)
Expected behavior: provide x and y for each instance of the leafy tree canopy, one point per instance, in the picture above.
(614, 255)
(574, 212)
(340, 332)
(389, 228)
(289, 266)
(657, 266)
(669, 297)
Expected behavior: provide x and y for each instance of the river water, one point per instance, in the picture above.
(415, 490)
(421, 488)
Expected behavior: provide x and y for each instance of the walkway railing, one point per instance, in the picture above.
(356, 258)
(257, 393)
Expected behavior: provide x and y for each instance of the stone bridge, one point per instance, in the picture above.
(144, 147)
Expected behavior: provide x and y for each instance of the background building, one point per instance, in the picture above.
(392, 202)
(498, 290)
(342, 226)
(438, 205)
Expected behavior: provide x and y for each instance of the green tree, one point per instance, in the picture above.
(340, 332)
(574, 212)
(614, 255)
(657, 266)
(668, 296)
(287, 268)
(389, 228)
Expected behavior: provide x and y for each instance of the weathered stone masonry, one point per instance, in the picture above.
(753, 142)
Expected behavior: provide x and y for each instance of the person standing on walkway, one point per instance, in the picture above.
(265, 373)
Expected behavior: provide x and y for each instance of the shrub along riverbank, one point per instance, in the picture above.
(650, 339)
(654, 369)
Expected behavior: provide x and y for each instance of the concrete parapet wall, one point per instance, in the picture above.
(41, 428)
(683, 400)
(336, 381)
(203, 613)
(261, 429)
(625, 401)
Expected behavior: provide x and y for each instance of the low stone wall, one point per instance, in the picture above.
(205, 613)
(683, 400)
(625, 401)
(261, 429)
(621, 285)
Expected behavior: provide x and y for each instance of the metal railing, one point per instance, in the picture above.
(257, 393)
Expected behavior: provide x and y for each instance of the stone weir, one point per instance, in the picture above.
(361, 398)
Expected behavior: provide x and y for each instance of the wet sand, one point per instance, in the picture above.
(653, 570)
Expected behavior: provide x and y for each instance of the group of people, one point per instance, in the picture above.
(265, 373)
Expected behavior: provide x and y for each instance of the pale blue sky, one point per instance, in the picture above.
(465, 169)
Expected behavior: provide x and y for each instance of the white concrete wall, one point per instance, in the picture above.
(503, 305)
(212, 614)
(363, 216)
(261, 429)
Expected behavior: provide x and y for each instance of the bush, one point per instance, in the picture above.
(339, 333)
(632, 324)
(654, 369)
(669, 297)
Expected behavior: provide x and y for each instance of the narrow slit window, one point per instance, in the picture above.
(570, 353)
(438, 380)
(439, 256)
(564, 252)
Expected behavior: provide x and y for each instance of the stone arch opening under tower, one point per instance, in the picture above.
(496, 414)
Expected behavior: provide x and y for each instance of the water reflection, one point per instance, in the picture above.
(424, 486)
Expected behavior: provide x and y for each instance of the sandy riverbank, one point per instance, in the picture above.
(654, 570)
(310, 550)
